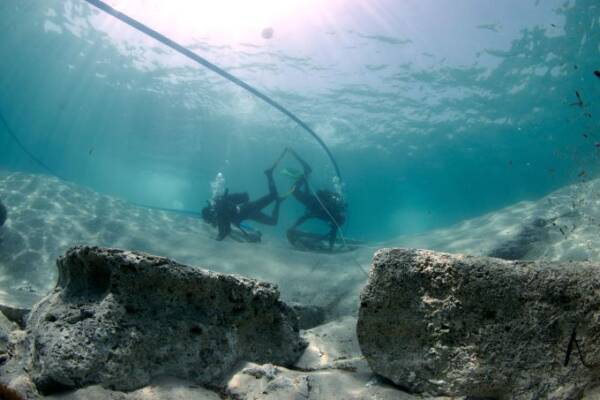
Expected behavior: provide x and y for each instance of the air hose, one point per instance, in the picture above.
(207, 64)
(16, 139)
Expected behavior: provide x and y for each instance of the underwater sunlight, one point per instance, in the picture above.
(299, 199)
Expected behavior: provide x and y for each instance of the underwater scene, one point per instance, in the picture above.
(300, 199)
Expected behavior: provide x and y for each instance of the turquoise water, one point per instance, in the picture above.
(436, 111)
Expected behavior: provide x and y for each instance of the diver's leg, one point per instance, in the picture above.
(271, 183)
(302, 194)
(253, 209)
(300, 221)
(299, 239)
(332, 236)
(307, 169)
(265, 219)
(257, 206)
(269, 171)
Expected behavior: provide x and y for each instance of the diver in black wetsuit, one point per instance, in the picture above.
(325, 205)
(233, 208)
(2, 213)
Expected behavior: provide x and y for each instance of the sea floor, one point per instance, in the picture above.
(47, 216)
(562, 226)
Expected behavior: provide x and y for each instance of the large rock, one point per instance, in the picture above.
(121, 318)
(6, 327)
(458, 325)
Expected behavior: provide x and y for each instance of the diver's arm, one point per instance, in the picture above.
(238, 198)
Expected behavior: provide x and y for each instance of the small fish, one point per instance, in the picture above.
(597, 73)
(561, 231)
(576, 66)
(597, 144)
(91, 151)
(585, 135)
(579, 100)
(588, 114)
(553, 25)
(582, 173)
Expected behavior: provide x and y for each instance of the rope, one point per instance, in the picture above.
(207, 64)
(16, 139)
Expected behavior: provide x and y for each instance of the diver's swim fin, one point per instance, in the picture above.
(292, 173)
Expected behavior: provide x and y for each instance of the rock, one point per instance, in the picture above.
(6, 327)
(120, 319)
(475, 326)
(3, 213)
(7, 393)
(169, 389)
(15, 314)
(330, 368)
(24, 389)
(309, 316)
(333, 345)
(13, 364)
(300, 385)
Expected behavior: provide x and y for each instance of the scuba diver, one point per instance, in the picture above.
(233, 208)
(325, 205)
(3, 213)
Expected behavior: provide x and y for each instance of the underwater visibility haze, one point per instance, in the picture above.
(288, 141)
(435, 111)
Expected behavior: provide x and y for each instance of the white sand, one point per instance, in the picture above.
(47, 216)
(578, 209)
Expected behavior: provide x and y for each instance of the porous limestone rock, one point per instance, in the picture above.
(120, 319)
(458, 325)
(15, 314)
(6, 327)
(163, 389)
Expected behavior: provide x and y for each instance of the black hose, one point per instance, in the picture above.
(207, 64)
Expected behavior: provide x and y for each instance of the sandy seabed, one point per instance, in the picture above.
(47, 216)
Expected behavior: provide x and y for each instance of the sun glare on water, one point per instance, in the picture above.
(242, 19)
